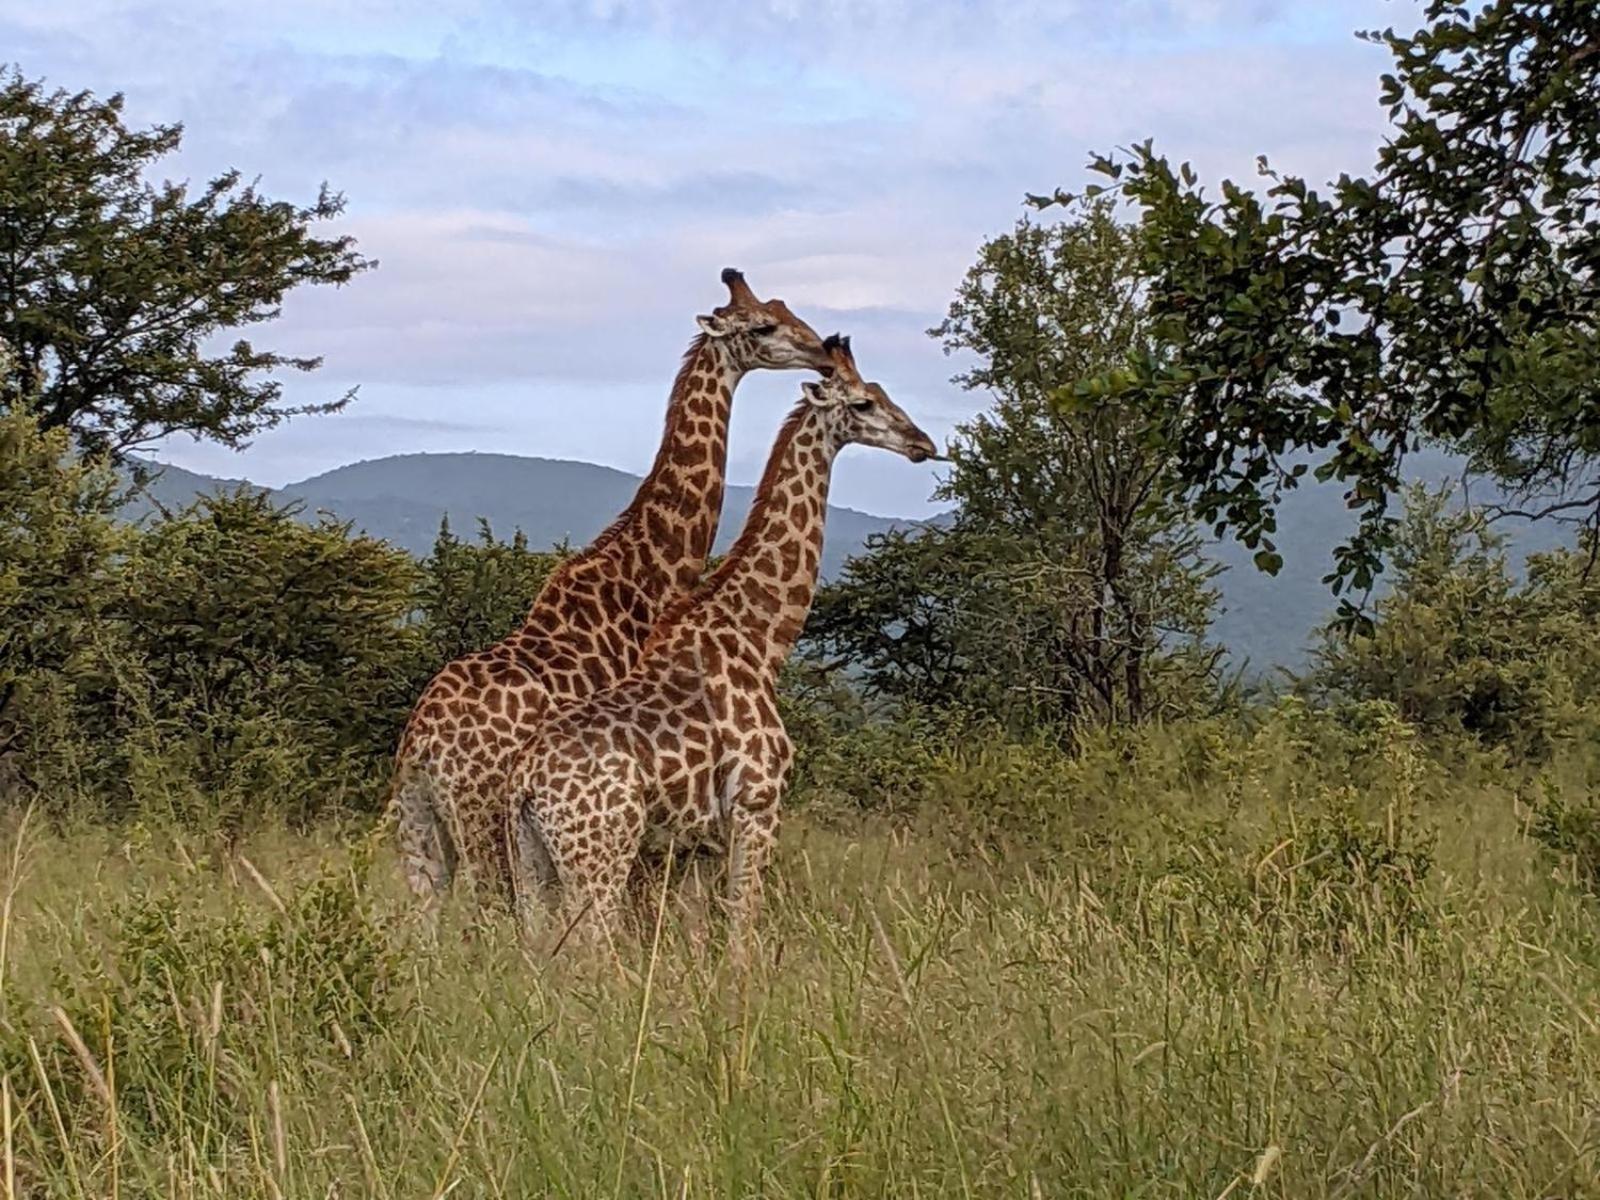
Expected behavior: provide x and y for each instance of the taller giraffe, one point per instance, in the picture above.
(589, 621)
(689, 748)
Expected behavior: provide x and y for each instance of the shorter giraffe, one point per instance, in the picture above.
(688, 748)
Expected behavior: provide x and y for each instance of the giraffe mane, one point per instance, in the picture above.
(680, 384)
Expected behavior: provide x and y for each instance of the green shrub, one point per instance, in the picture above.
(873, 765)
(1567, 822)
(58, 550)
(472, 593)
(225, 660)
(261, 662)
(1460, 647)
(203, 1000)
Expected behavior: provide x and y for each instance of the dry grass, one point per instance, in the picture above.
(1212, 1013)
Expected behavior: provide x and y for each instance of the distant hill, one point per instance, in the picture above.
(1264, 620)
(168, 488)
(403, 497)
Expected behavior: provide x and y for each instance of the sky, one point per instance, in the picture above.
(552, 187)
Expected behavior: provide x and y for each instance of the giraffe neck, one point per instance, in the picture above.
(764, 588)
(664, 536)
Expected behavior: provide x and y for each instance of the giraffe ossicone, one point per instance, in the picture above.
(592, 617)
(689, 747)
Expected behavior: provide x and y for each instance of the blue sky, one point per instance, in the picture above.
(552, 188)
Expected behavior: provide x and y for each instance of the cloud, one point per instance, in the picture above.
(551, 190)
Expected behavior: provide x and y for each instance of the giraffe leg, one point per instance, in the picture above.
(426, 851)
(754, 833)
(594, 870)
(475, 821)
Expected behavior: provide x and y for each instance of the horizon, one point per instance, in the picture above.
(635, 476)
(551, 196)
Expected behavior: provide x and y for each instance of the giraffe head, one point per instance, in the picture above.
(856, 411)
(762, 333)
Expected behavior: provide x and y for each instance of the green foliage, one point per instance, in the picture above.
(1459, 646)
(1061, 591)
(188, 998)
(226, 660)
(853, 764)
(1570, 825)
(264, 656)
(1449, 294)
(58, 550)
(111, 287)
(473, 593)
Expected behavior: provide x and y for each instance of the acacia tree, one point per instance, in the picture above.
(112, 288)
(1451, 294)
(1062, 573)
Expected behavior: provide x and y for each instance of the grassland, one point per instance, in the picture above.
(1225, 964)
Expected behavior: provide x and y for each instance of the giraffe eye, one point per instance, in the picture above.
(861, 405)
(765, 330)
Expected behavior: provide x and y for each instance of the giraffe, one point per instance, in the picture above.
(689, 748)
(589, 621)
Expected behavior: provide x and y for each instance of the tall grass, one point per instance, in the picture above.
(1358, 979)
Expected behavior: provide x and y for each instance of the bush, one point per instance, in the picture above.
(1459, 647)
(223, 661)
(265, 657)
(227, 659)
(471, 594)
(58, 551)
(1565, 818)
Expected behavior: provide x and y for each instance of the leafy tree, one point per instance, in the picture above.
(1449, 294)
(896, 617)
(113, 289)
(1062, 575)
(265, 656)
(471, 594)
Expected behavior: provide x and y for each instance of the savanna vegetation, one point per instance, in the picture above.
(1062, 908)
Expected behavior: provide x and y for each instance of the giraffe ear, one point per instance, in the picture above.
(811, 392)
(712, 325)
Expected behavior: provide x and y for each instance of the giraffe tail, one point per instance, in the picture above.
(426, 851)
(531, 871)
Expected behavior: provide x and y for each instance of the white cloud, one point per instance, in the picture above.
(551, 192)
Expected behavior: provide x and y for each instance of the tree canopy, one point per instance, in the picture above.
(1061, 584)
(1450, 294)
(115, 290)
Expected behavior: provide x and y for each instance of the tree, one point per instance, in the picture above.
(1062, 574)
(1449, 295)
(113, 288)
(471, 594)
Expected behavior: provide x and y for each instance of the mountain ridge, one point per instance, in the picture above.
(402, 498)
(1264, 621)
